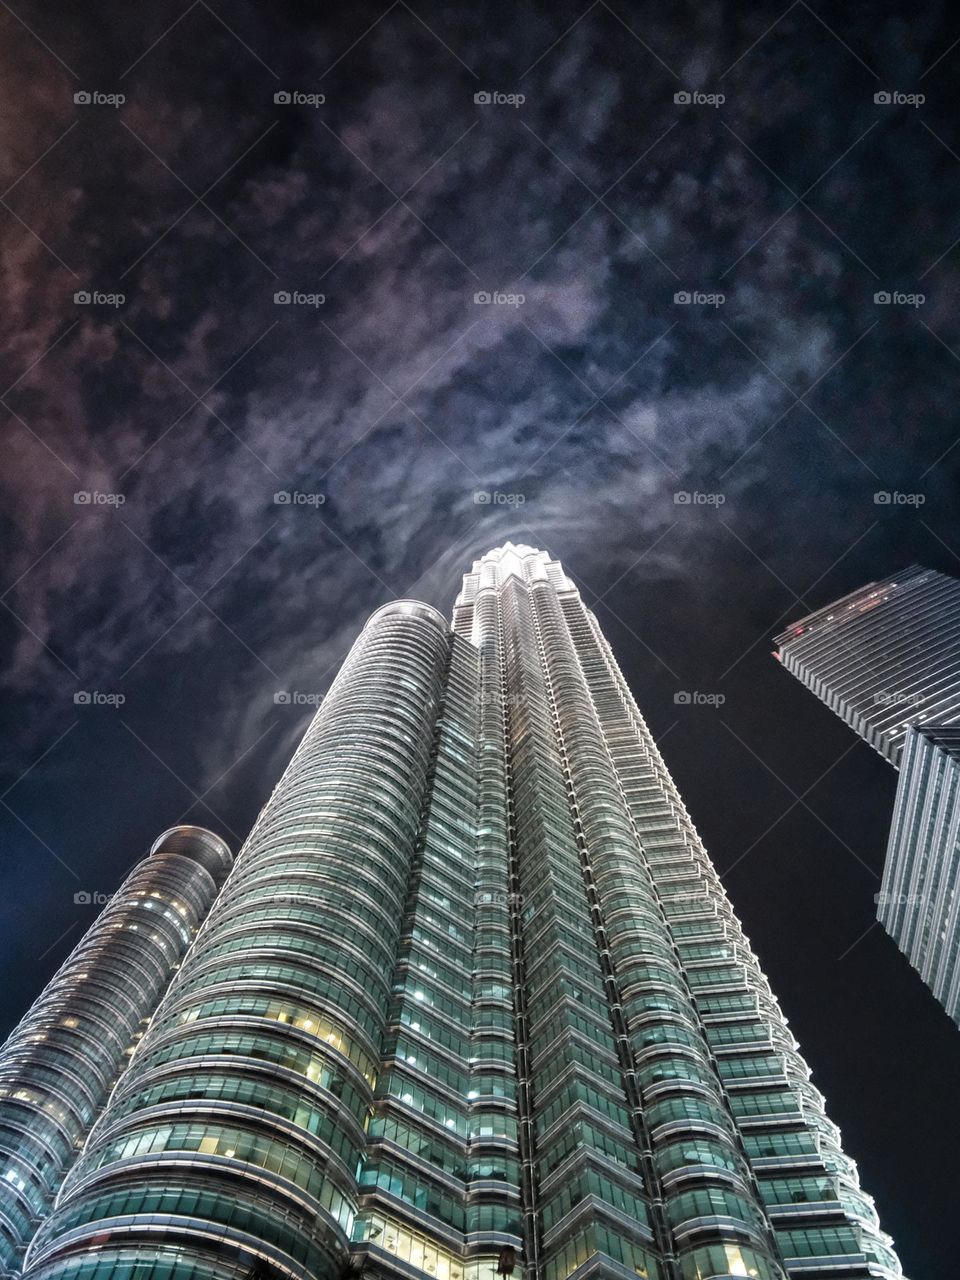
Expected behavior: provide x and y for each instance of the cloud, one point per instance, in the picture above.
(596, 397)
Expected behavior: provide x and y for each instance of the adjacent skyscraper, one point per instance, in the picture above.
(59, 1064)
(472, 1002)
(886, 658)
(919, 901)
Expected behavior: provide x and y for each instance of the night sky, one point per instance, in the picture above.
(580, 401)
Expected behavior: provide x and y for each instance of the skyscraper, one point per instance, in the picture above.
(472, 1003)
(883, 657)
(919, 900)
(886, 658)
(59, 1064)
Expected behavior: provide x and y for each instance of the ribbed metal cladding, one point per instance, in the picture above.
(919, 900)
(60, 1062)
(884, 657)
(232, 1146)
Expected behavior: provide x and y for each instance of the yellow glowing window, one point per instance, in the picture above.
(736, 1263)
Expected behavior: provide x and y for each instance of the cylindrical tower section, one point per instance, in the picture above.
(59, 1064)
(231, 1148)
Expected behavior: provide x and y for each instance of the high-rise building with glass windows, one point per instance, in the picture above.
(886, 659)
(59, 1064)
(919, 900)
(472, 1003)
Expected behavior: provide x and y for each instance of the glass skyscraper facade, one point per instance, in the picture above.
(59, 1064)
(471, 1003)
(886, 659)
(883, 657)
(919, 901)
